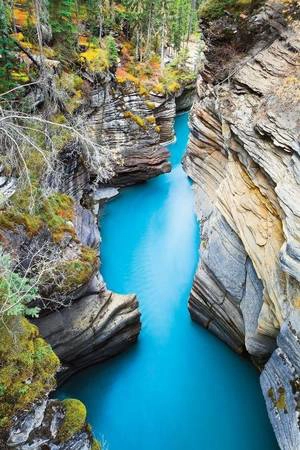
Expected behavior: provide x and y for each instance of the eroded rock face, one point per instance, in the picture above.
(96, 324)
(95, 328)
(39, 428)
(243, 157)
(135, 129)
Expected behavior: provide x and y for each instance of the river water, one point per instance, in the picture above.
(179, 388)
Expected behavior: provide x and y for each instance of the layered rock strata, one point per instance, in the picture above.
(135, 129)
(243, 157)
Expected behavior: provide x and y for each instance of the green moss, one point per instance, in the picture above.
(214, 9)
(96, 445)
(89, 255)
(78, 271)
(28, 368)
(149, 104)
(271, 394)
(56, 212)
(281, 400)
(135, 118)
(74, 420)
(151, 119)
(70, 274)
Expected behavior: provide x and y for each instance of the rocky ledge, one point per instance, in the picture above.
(244, 159)
(135, 129)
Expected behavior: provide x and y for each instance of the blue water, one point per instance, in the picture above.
(179, 388)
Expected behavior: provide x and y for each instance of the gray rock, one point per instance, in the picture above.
(38, 429)
(280, 382)
(243, 157)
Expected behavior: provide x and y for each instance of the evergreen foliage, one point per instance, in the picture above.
(112, 50)
(7, 50)
(16, 291)
(61, 20)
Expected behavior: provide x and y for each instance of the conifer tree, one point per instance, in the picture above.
(61, 16)
(7, 50)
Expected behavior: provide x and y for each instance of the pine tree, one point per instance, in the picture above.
(7, 50)
(112, 50)
(61, 18)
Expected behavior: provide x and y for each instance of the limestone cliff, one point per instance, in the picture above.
(243, 157)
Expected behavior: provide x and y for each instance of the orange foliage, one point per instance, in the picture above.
(20, 17)
(122, 76)
(83, 41)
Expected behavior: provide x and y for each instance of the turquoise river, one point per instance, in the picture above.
(179, 387)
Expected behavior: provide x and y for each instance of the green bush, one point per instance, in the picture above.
(16, 291)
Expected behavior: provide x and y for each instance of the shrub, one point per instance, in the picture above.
(123, 76)
(96, 59)
(16, 291)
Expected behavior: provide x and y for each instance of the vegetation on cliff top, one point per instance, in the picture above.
(213, 9)
(97, 36)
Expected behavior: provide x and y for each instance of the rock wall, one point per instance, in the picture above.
(90, 323)
(134, 128)
(98, 323)
(243, 157)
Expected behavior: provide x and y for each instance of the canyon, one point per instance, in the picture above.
(243, 160)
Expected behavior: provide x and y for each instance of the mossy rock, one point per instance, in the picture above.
(74, 420)
(74, 273)
(28, 368)
(55, 212)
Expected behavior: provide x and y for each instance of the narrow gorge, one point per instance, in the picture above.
(166, 390)
(149, 175)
